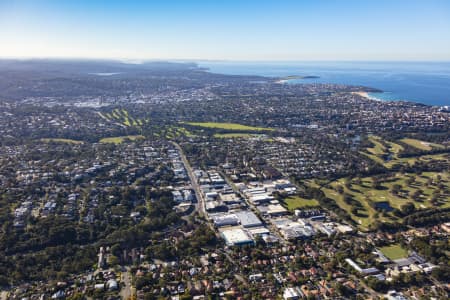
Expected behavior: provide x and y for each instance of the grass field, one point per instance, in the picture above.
(378, 148)
(421, 144)
(234, 135)
(121, 139)
(382, 149)
(67, 141)
(228, 126)
(295, 202)
(174, 132)
(394, 252)
(363, 192)
(367, 202)
(122, 117)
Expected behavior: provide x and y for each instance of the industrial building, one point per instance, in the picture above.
(248, 219)
(236, 237)
(221, 220)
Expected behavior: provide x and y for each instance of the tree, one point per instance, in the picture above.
(3, 281)
(113, 260)
(408, 208)
(441, 273)
(410, 180)
(416, 195)
(377, 285)
(396, 188)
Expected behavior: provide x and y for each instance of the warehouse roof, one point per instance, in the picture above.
(235, 237)
(248, 219)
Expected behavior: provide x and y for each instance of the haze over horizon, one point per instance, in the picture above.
(233, 30)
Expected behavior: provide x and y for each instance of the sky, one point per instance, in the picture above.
(262, 30)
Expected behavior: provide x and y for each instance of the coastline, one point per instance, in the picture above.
(366, 95)
(281, 81)
(397, 79)
(295, 77)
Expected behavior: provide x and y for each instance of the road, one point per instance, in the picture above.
(4, 295)
(234, 263)
(126, 291)
(200, 205)
(372, 293)
(252, 207)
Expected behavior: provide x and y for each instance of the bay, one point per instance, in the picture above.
(423, 82)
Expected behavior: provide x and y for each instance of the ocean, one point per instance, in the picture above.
(422, 82)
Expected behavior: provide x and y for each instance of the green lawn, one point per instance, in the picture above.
(228, 126)
(295, 202)
(394, 252)
(121, 139)
(67, 141)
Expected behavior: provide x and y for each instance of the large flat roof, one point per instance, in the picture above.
(236, 237)
(248, 218)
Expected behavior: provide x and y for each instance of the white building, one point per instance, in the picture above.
(292, 293)
(236, 237)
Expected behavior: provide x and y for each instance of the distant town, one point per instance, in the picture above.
(166, 181)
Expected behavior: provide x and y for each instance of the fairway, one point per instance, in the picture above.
(387, 153)
(394, 252)
(228, 126)
(426, 146)
(295, 202)
(122, 117)
(121, 139)
(173, 132)
(67, 141)
(234, 135)
(427, 190)
(378, 148)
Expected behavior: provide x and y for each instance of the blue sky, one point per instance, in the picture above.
(228, 29)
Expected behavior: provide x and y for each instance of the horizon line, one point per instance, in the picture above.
(146, 60)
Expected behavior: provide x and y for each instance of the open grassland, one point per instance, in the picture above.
(394, 252)
(228, 126)
(67, 141)
(368, 199)
(121, 139)
(426, 146)
(297, 202)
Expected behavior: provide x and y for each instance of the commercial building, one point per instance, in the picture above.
(248, 219)
(236, 237)
(221, 220)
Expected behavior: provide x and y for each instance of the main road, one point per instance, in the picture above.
(200, 205)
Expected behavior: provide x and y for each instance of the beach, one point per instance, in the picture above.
(362, 94)
(366, 95)
(281, 81)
